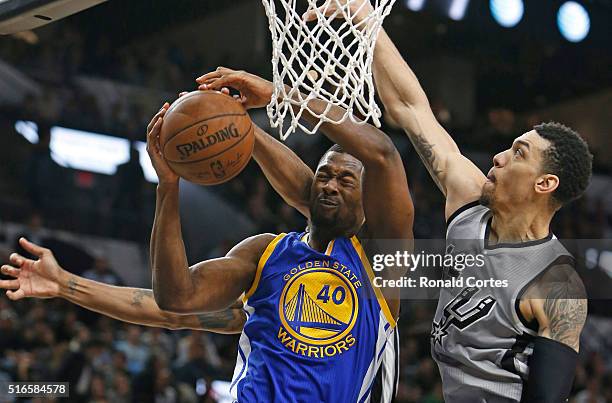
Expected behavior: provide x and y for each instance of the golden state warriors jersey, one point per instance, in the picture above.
(316, 327)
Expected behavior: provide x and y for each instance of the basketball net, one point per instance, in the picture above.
(328, 59)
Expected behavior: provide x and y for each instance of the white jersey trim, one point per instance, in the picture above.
(384, 331)
(242, 359)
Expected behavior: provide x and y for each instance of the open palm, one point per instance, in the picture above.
(32, 278)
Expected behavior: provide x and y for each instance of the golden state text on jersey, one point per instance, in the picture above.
(316, 327)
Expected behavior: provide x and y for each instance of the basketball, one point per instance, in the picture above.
(207, 137)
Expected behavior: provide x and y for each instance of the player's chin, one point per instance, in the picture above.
(488, 191)
(323, 215)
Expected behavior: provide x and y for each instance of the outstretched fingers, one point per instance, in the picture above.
(31, 247)
(10, 284)
(10, 271)
(220, 72)
(15, 295)
(17, 259)
(218, 83)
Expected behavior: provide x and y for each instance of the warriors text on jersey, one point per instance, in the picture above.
(317, 329)
(479, 339)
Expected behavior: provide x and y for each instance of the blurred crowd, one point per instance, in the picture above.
(107, 361)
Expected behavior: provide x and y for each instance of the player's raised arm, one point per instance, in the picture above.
(45, 278)
(286, 172)
(211, 285)
(404, 99)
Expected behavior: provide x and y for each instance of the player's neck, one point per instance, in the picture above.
(319, 237)
(512, 226)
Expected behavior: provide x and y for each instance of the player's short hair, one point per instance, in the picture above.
(568, 157)
(336, 148)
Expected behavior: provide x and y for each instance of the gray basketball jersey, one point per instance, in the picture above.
(478, 339)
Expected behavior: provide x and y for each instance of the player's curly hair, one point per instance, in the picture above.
(569, 158)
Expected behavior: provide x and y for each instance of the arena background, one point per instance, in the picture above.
(76, 95)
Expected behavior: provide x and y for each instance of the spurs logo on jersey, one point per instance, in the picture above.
(454, 317)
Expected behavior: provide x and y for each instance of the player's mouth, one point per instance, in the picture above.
(491, 176)
(327, 202)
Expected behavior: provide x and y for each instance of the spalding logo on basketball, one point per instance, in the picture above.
(207, 137)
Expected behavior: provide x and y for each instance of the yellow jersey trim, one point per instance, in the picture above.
(262, 262)
(330, 247)
(366, 264)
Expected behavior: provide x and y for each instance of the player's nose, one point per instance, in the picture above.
(331, 186)
(499, 160)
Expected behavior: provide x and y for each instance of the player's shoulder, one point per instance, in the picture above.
(562, 281)
(254, 246)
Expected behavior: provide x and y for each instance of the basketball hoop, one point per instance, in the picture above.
(328, 59)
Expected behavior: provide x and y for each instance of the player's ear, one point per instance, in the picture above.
(546, 183)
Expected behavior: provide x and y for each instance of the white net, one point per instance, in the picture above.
(329, 58)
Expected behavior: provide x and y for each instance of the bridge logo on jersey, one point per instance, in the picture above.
(453, 317)
(318, 309)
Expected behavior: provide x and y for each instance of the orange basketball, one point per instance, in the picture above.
(207, 137)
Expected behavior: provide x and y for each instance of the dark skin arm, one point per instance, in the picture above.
(387, 204)
(45, 278)
(208, 286)
(286, 172)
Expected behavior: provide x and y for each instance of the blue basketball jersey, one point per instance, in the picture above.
(316, 328)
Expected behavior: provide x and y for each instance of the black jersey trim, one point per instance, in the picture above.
(461, 210)
(533, 325)
(511, 245)
(520, 344)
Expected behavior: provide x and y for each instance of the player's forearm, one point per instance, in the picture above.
(172, 283)
(286, 172)
(227, 321)
(404, 98)
(137, 306)
(364, 141)
(126, 304)
(396, 83)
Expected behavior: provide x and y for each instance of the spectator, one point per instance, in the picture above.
(129, 197)
(135, 351)
(197, 365)
(102, 272)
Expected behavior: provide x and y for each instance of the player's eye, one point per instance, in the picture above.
(518, 152)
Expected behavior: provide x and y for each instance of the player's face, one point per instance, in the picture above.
(336, 192)
(516, 173)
